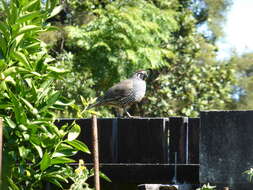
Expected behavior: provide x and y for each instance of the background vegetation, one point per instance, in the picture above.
(103, 42)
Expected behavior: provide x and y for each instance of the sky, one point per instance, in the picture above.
(238, 29)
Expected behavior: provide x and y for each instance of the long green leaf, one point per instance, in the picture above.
(101, 174)
(79, 145)
(22, 58)
(61, 160)
(10, 122)
(29, 28)
(19, 111)
(74, 132)
(12, 184)
(57, 70)
(32, 5)
(53, 98)
(4, 29)
(18, 39)
(3, 45)
(64, 150)
(38, 148)
(13, 11)
(5, 106)
(56, 11)
(30, 106)
(45, 162)
(28, 17)
(54, 181)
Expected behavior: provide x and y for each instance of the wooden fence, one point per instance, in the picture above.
(145, 150)
(166, 150)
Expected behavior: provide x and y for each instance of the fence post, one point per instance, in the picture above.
(95, 152)
(1, 151)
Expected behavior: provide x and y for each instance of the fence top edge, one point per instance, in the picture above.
(120, 118)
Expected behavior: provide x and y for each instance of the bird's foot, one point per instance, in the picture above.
(135, 117)
(130, 116)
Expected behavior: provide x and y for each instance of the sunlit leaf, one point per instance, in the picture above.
(56, 11)
(61, 160)
(79, 145)
(28, 17)
(29, 28)
(22, 58)
(74, 132)
(31, 5)
(45, 162)
(10, 122)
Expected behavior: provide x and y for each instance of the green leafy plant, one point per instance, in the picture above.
(249, 174)
(35, 149)
(207, 187)
(80, 176)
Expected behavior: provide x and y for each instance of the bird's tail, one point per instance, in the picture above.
(97, 103)
(91, 106)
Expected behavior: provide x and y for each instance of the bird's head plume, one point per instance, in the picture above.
(141, 74)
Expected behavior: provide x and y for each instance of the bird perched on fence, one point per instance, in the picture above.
(125, 93)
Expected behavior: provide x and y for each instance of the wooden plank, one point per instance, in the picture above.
(150, 173)
(177, 140)
(142, 141)
(136, 150)
(226, 148)
(107, 142)
(194, 125)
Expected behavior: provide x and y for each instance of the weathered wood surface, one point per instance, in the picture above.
(143, 150)
(226, 139)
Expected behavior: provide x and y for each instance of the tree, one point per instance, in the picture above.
(211, 14)
(119, 37)
(243, 90)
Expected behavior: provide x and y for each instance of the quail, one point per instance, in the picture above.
(125, 93)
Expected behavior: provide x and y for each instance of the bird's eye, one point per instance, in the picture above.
(141, 76)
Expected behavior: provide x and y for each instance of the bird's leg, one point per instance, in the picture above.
(128, 114)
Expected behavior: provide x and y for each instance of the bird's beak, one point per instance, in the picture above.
(145, 76)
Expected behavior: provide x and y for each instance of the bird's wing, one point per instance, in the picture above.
(120, 90)
(115, 93)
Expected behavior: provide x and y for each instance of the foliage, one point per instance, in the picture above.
(35, 150)
(207, 187)
(81, 175)
(123, 36)
(211, 14)
(249, 173)
(244, 80)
